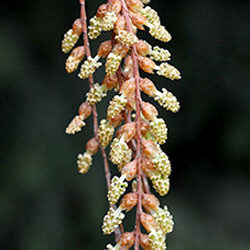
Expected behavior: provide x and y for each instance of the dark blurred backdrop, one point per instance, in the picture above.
(45, 204)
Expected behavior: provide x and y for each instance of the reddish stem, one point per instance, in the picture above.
(125, 13)
(95, 115)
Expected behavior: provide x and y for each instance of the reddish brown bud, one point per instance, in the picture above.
(116, 121)
(77, 27)
(92, 146)
(149, 148)
(148, 110)
(148, 167)
(127, 240)
(85, 109)
(131, 101)
(134, 5)
(102, 10)
(105, 48)
(128, 87)
(110, 81)
(150, 202)
(146, 64)
(115, 6)
(127, 131)
(120, 24)
(120, 50)
(145, 242)
(144, 128)
(148, 222)
(142, 47)
(128, 63)
(148, 86)
(138, 20)
(128, 201)
(130, 170)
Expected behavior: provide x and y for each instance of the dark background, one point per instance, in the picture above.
(45, 204)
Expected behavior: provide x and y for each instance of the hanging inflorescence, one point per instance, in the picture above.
(132, 127)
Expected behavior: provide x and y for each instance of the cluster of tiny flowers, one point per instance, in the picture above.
(88, 68)
(117, 105)
(117, 189)
(146, 1)
(168, 71)
(105, 133)
(126, 38)
(167, 100)
(162, 163)
(160, 33)
(95, 27)
(120, 154)
(69, 41)
(157, 240)
(151, 15)
(112, 220)
(160, 54)
(160, 184)
(75, 125)
(108, 21)
(112, 63)
(96, 94)
(110, 247)
(84, 162)
(165, 220)
(159, 130)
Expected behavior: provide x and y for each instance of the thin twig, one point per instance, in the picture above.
(94, 112)
(138, 127)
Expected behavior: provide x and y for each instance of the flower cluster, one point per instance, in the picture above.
(131, 130)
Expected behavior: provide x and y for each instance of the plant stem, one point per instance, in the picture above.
(136, 74)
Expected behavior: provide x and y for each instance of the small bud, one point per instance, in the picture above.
(148, 167)
(134, 5)
(148, 87)
(127, 131)
(144, 128)
(149, 148)
(85, 110)
(102, 10)
(148, 222)
(115, 6)
(74, 59)
(105, 48)
(148, 111)
(138, 20)
(130, 170)
(128, 87)
(77, 27)
(143, 48)
(92, 146)
(116, 121)
(145, 242)
(120, 49)
(128, 202)
(127, 240)
(150, 202)
(146, 64)
(110, 82)
(120, 24)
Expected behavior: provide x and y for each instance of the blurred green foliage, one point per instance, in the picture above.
(46, 204)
